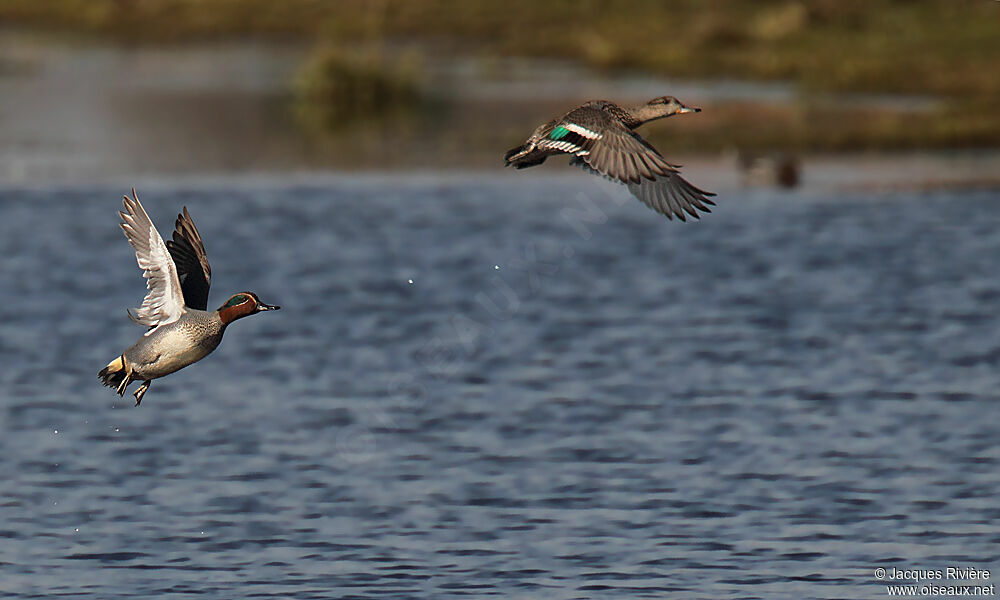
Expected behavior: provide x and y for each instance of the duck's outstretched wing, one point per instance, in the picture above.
(191, 261)
(670, 195)
(606, 145)
(164, 303)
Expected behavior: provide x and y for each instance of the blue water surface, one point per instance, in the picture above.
(574, 398)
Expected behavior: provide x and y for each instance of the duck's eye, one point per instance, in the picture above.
(236, 300)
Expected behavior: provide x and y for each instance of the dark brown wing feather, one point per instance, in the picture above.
(612, 150)
(188, 252)
(670, 195)
(623, 155)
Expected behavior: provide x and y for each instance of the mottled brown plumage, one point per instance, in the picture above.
(600, 137)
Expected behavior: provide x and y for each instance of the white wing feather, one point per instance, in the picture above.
(165, 301)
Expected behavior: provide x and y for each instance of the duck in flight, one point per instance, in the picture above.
(181, 329)
(601, 138)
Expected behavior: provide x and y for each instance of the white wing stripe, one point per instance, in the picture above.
(568, 147)
(590, 135)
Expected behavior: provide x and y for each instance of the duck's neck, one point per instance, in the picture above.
(228, 314)
(644, 114)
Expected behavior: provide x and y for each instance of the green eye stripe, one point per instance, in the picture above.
(236, 301)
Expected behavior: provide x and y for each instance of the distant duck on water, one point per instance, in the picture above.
(181, 329)
(600, 137)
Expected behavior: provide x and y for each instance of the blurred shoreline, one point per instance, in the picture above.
(75, 110)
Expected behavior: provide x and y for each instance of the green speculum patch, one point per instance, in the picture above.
(558, 133)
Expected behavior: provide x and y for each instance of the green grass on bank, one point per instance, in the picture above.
(336, 84)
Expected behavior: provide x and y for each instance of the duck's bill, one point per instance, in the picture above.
(689, 109)
(263, 307)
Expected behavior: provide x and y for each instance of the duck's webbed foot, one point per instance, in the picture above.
(124, 384)
(141, 391)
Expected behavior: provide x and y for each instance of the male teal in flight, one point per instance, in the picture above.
(181, 329)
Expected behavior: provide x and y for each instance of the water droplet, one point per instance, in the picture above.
(496, 267)
(116, 429)
(410, 281)
(55, 431)
(76, 529)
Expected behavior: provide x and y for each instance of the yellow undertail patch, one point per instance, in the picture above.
(116, 365)
(116, 375)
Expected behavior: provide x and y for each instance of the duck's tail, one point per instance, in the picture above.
(116, 375)
(523, 156)
(513, 154)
